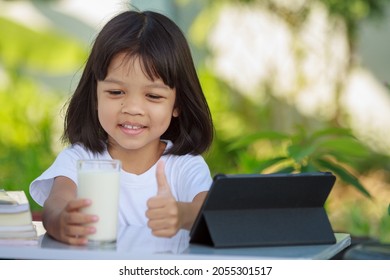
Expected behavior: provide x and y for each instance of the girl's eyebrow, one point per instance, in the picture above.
(151, 85)
(112, 81)
(158, 85)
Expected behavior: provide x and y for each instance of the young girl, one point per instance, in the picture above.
(139, 100)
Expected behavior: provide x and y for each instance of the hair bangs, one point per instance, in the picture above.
(157, 69)
(157, 54)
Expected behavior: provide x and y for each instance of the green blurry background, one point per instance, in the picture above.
(257, 130)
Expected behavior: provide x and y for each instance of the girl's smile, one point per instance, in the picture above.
(132, 129)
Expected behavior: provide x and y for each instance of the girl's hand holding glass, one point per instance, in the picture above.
(74, 226)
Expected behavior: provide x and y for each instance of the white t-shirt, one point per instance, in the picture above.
(187, 176)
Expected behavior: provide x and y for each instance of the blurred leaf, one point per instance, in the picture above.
(345, 146)
(344, 175)
(262, 165)
(247, 163)
(299, 152)
(335, 131)
(250, 139)
(338, 157)
(309, 168)
(288, 169)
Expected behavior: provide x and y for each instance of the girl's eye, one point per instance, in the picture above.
(153, 96)
(115, 92)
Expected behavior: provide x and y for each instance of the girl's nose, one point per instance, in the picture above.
(132, 106)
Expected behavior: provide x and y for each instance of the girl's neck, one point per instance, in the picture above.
(138, 161)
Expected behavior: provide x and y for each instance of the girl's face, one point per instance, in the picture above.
(134, 110)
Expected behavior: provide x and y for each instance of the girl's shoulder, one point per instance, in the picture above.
(184, 157)
(183, 162)
(79, 151)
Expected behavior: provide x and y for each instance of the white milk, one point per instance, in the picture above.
(102, 187)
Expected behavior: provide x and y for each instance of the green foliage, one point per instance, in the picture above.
(27, 134)
(30, 109)
(233, 115)
(330, 149)
(360, 225)
(388, 210)
(23, 49)
(384, 229)
(354, 11)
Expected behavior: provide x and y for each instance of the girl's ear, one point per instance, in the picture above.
(175, 112)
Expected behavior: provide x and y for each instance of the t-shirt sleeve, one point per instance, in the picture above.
(64, 165)
(192, 175)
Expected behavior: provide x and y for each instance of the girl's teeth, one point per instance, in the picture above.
(131, 126)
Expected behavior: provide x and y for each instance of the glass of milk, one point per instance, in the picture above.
(98, 180)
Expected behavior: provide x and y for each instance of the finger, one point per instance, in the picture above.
(163, 227)
(78, 235)
(80, 218)
(76, 239)
(158, 224)
(77, 204)
(79, 241)
(162, 183)
(79, 231)
(154, 214)
(158, 202)
(166, 232)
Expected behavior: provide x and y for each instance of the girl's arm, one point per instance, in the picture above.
(61, 215)
(189, 211)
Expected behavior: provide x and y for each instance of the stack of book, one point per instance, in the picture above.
(16, 226)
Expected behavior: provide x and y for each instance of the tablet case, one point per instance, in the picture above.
(265, 210)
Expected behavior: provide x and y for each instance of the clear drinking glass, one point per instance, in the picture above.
(98, 180)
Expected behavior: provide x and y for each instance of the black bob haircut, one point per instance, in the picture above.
(164, 52)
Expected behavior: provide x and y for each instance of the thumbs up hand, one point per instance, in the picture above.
(163, 210)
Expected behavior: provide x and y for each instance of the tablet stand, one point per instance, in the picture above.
(274, 210)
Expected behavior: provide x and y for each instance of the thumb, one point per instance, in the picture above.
(162, 183)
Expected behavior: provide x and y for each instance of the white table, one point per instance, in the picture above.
(138, 243)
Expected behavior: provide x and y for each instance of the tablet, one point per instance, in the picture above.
(265, 210)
